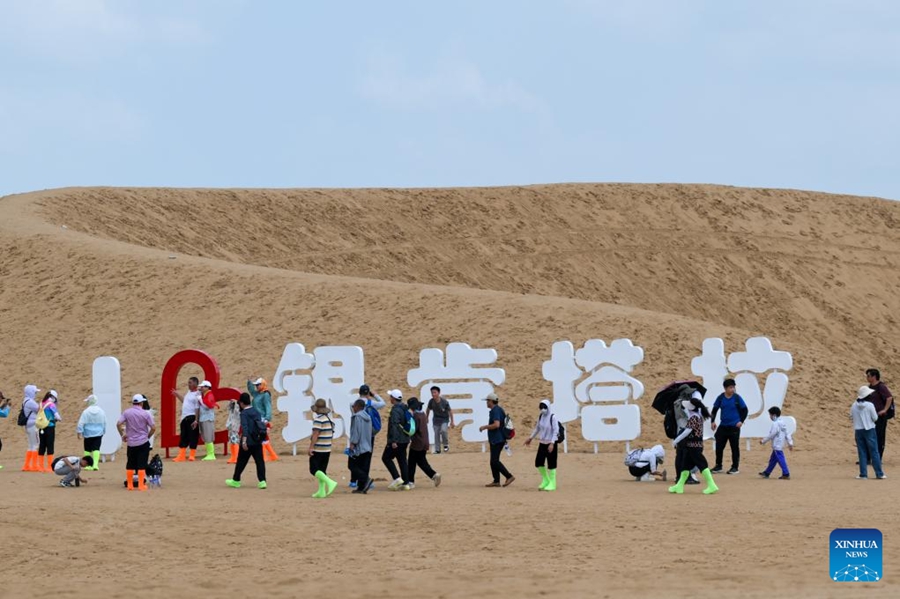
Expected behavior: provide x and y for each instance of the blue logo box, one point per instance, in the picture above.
(855, 555)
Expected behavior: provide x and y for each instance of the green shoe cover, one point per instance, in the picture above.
(711, 486)
(233, 483)
(551, 486)
(679, 486)
(545, 478)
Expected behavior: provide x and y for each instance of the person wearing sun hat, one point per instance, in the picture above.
(865, 419)
(207, 420)
(136, 427)
(91, 427)
(320, 448)
(30, 407)
(497, 440)
(262, 401)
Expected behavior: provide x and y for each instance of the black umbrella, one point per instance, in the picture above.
(669, 394)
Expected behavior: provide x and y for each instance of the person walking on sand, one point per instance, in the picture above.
(497, 440)
(262, 401)
(360, 460)
(865, 419)
(418, 446)
(884, 406)
(547, 432)
(320, 449)
(734, 413)
(30, 409)
(778, 434)
(190, 415)
(91, 427)
(253, 432)
(233, 426)
(4, 412)
(136, 427)
(442, 420)
(692, 437)
(207, 418)
(373, 403)
(47, 435)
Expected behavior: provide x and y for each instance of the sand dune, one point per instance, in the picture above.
(87, 272)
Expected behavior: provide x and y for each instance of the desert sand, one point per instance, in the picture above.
(90, 271)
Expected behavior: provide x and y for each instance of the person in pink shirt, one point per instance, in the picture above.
(136, 427)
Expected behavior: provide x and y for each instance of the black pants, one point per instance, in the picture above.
(47, 441)
(137, 457)
(639, 471)
(189, 436)
(387, 458)
(546, 457)
(881, 433)
(497, 467)
(691, 457)
(256, 451)
(92, 443)
(418, 457)
(359, 468)
(732, 436)
(319, 461)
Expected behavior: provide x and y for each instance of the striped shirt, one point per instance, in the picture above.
(325, 426)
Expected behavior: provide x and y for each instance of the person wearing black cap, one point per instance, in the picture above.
(497, 440)
(397, 443)
(734, 413)
(418, 446)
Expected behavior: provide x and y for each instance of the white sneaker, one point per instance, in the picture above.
(862, 477)
(404, 487)
(437, 479)
(395, 485)
(881, 477)
(411, 485)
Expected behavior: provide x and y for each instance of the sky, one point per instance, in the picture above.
(238, 93)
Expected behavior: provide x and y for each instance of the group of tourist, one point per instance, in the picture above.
(406, 443)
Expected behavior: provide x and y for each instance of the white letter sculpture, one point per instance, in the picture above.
(107, 382)
(759, 358)
(606, 390)
(462, 383)
(331, 372)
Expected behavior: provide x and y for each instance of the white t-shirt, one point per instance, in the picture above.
(73, 462)
(191, 404)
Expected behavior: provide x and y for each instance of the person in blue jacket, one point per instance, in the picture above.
(734, 413)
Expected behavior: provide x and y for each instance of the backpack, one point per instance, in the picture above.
(155, 467)
(409, 426)
(562, 432)
(375, 416)
(22, 419)
(633, 457)
(670, 423)
(41, 421)
(259, 435)
(509, 428)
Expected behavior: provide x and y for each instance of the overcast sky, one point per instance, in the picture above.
(234, 93)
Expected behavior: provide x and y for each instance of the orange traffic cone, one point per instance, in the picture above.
(234, 453)
(180, 457)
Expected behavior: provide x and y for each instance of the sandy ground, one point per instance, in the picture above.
(87, 272)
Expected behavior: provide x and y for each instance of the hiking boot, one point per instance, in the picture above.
(437, 479)
(509, 481)
(784, 477)
(764, 474)
(733, 471)
(716, 469)
(493, 484)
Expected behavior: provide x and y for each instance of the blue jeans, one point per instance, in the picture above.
(867, 448)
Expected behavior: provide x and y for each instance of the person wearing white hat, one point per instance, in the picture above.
(136, 427)
(865, 417)
(30, 408)
(692, 437)
(262, 401)
(189, 428)
(91, 427)
(208, 420)
(47, 434)
(397, 443)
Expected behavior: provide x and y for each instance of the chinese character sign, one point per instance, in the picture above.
(107, 383)
(594, 383)
(333, 373)
(746, 368)
(465, 380)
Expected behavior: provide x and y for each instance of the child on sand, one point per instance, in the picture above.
(778, 434)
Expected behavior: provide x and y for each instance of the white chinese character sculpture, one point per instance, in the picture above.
(759, 358)
(464, 382)
(332, 373)
(601, 398)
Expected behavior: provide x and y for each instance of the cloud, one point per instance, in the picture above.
(449, 82)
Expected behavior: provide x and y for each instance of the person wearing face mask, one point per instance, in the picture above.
(778, 434)
(692, 437)
(547, 432)
(681, 419)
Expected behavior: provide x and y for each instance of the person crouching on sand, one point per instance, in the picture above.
(692, 437)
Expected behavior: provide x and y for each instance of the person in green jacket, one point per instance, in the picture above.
(262, 401)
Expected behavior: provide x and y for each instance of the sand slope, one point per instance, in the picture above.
(399, 270)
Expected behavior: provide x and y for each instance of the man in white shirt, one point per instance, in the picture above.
(69, 467)
(190, 415)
